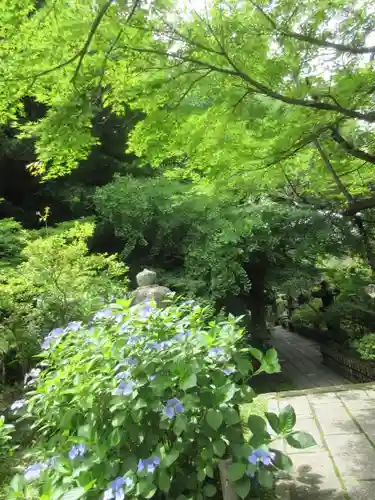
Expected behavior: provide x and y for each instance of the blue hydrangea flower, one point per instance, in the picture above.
(182, 335)
(20, 403)
(52, 461)
(216, 352)
(33, 471)
(149, 464)
(158, 346)
(124, 388)
(187, 303)
(120, 365)
(264, 456)
(103, 314)
(229, 371)
(116, 490)
(118, 318)
(146, 309)
(73, 326)
(124, 328)
(131, 361)
(53, 335)
(133, 340)
(77, 451)
(154, 345)
(122, 375)
(173, 407)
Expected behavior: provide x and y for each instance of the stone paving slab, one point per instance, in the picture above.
(334, 419)
(314, 478)
(360, 490)
(353, 455)
(301, 406)
(342, 464)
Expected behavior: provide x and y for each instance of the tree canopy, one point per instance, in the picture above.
(223, 75)
(266, 108)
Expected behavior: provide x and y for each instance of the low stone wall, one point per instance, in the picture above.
(356, 370)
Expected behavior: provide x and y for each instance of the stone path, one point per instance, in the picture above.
(342, 465)
(301, 361)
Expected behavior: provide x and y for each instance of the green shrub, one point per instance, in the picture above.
(353, 308)
(146, 401)
(366, 347)
(12, 241)
(6, 431)
(57, 282)
(308, 315)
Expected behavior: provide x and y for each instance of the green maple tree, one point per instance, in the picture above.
(264, 99)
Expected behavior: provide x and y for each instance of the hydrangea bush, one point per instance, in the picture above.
(144, 403)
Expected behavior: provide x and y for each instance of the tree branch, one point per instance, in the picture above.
(50, 70)
(184, 38)
(350, 149)
(358, 205)
(332, 171)
(241, 99)
(190, 87)
(293, 188)
(312, 40)
(367, 244)
(300, 144)
(263, 89)
(94, 27)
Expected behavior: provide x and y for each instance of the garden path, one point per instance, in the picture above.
(341, 465)
(339, 415)
(301, 361)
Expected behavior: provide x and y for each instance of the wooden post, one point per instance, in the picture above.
(229, 493)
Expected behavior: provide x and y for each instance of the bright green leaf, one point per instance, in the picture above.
(190, 382)
(257, 425)
(301, 440)
(209, 490)
(242, 487)
(164, 481)
(214, 418)
(265, 478)
(169, 458)
(74, 494)
(219, 447)
(236, 471)
(231, 416)
(274, 422)
(180, 424)
(287, 419)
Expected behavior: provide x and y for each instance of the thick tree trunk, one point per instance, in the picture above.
(258, 301)
(367, 244)
(258, 309)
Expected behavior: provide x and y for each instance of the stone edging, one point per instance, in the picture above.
(357, 370)
(322, 390)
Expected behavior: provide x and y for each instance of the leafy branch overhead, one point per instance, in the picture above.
(215, 82)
